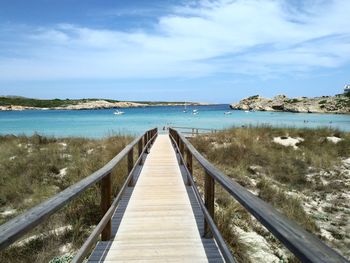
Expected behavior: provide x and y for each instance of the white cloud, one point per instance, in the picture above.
(200, 39)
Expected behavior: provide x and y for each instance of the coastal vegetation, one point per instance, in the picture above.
(304, 173)
(35, 168)
(43, 103)
(22, 103)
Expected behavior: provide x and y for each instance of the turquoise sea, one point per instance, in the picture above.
(99, 123)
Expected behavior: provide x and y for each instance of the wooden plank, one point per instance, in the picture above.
(161, 222)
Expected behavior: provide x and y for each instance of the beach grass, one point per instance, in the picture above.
(307, 183)
(37, 167)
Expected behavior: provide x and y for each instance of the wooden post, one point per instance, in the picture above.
(192, 132)
(148, 139)
(197, 131)
(140, 145)
(145, 140)
(177, 139)
(175, 142)
(131, 165)
(153, 132)
(209, 202)
(189, 165)
(106, 201)
(181, 146)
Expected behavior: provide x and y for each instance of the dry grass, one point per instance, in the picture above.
(31, 171)
(275, 173)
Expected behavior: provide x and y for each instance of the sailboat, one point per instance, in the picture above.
(185, 109)
(118, 112)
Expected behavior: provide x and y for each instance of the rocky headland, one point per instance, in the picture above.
(326, 104)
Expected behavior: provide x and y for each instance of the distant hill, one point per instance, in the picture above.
(41, 103)
(22, 103)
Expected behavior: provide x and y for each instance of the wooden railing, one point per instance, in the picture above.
(193, 131)
(305, 246)
(20, 225)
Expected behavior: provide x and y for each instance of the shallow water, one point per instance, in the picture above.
(99, 123)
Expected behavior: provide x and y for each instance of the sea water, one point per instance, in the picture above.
(100, 123)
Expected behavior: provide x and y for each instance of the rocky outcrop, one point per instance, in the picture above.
(326, 104)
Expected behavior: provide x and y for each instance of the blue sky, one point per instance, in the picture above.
(213, 51)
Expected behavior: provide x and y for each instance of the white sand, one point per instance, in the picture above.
(334, 139)
(63, 172)
(8, 212)
(258, 247)
(289, 141)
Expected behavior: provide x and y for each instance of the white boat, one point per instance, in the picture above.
(193, 111)
(118, 112)
(247, 111)
(185, 109)
(227, 112)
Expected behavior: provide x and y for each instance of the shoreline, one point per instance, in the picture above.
(102, 105)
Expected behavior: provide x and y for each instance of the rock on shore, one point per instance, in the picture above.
(325, 104)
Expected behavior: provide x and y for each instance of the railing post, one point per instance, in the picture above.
(140, 146)
(148, 139)
(106, 201)
(209, 202)
(196, 131)
(145, 140)
(131, 165)
(189, 165)
(175, 142)
(192, 132)
(181, 147)
(177, 139)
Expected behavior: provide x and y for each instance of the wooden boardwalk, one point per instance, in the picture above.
(161, 219)
(158, 220)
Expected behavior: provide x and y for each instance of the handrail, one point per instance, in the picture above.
(224, 249)
(20, 225)
(193, 131)
(190, 128)
(304, 245)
